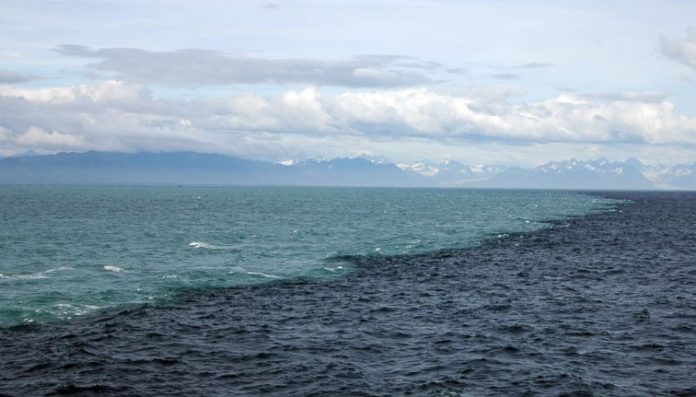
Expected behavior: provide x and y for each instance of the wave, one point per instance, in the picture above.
(112, 268)
(262, 274)
(333, 269)
(75, 309)
(252, 273)
(35, 276)
(208, 246)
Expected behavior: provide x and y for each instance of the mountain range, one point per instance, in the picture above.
(190, 168)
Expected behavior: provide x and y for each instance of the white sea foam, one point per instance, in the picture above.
(34, 276)
(68, 309)
(208, 246)
(112, 268)
(30, 276)
(259, 274)
(262, 274)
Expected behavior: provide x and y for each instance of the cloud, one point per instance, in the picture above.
(193, 67)
(37, 137)
(114, 115)
(647, 97)
(104, 91)
(271, 6)
(534, 65)
(682, 51)
(7, 77)
(565, 118)
(506, 76)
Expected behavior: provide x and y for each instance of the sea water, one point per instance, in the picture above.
(71, 251)
(602, 303)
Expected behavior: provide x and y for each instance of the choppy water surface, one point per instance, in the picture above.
(69, 251)
(602, 304)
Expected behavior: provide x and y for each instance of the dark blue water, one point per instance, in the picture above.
(603, 304)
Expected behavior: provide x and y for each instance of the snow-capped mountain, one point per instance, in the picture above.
(575, 174)
(569, 174)
(680, 176)
(200, 168)
(453, 173)
(599, 166)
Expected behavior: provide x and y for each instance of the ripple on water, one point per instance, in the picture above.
(459, 322)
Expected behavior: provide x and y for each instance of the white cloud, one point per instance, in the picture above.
(403, 124)
(565, 118)
(36, 137)
(109, 90)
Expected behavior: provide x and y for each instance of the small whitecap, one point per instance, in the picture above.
(333, 269)
(208, 246)
(261, 274)
(112, 268)
(200, 244)
(58, 269)
(36, 276)
(33, 276)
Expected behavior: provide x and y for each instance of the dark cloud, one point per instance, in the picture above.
(191, 67)
(644, 97)
(506, 76)
(534, 65)
(11, 77)
(271, 6)
(682, 51)
(461, 71)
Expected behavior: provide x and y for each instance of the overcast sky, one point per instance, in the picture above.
(493, 81)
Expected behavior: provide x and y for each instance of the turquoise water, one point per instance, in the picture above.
(68, 251)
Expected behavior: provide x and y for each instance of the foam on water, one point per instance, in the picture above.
(35, 276)
(260, 274)
(204, 245)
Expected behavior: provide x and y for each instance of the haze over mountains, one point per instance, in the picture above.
(214, 169)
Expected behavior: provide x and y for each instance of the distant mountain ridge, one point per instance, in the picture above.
(681, 176)
(453, 173)
(191, 168)
(600, 174)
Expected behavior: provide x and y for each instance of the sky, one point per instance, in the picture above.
(505, 82)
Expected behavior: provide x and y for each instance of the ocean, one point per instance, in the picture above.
(345, 291)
